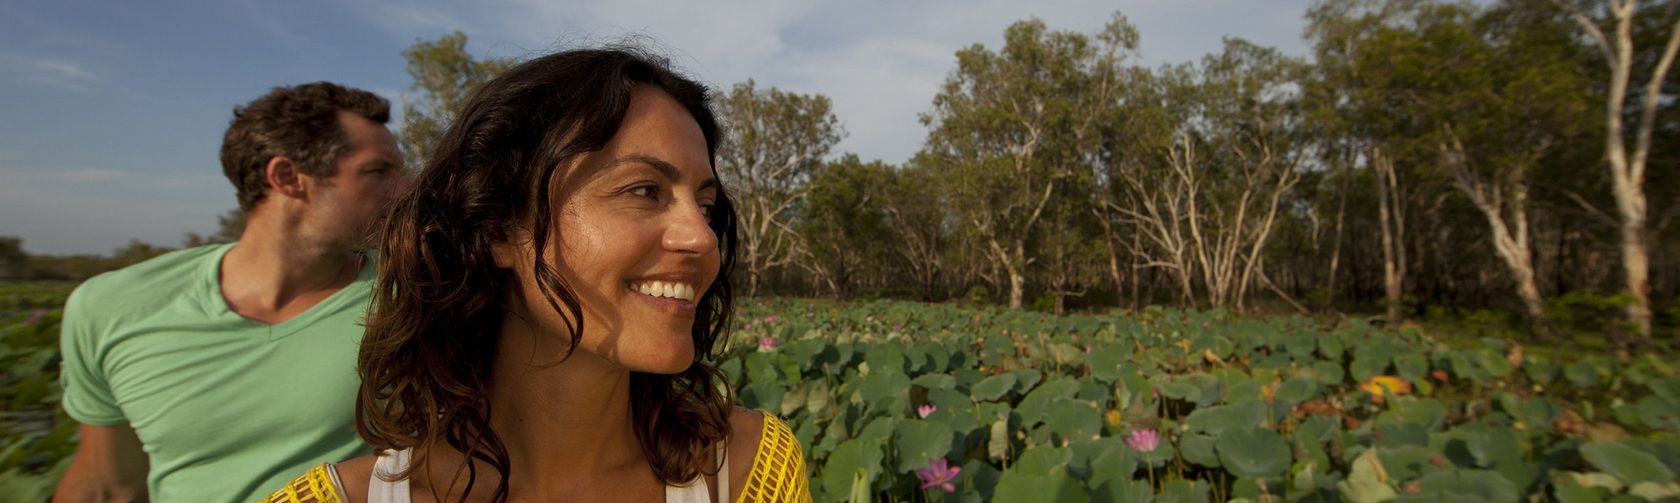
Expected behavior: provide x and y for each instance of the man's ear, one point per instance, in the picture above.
(284, 178)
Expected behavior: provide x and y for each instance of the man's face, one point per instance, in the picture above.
(346, 205)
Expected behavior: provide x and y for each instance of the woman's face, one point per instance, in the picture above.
(631, 240)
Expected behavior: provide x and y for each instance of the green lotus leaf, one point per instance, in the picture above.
(1411, 366)
(1253, 452)
(1405, 463)
(1220, 418)
(1124, 491)
(1183, 491)
(1579, 494)
(994, 387)
(1116, 463)
(1328, 373)
(1198, 448)
(919, 441)
(1482, 484)
(1025, 380)
(846, 461)
(1659, 412)
(1363, 369)
(1626, 463)
(1037, 403)
(1297, 389)
(1179, 390)
(1073, 419)
(935, 381)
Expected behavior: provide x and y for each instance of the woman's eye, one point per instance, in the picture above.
(645, 191)
(706, 210)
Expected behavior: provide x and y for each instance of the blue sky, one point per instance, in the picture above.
(111, 112)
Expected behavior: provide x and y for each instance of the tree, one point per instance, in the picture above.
(1009, 127)
(843, 224)
(445, 75)
(775, 141)
(1627, 170)
(13, 260)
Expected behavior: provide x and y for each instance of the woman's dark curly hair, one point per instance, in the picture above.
(439, 299)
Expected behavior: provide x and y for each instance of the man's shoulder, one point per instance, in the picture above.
(155, 280)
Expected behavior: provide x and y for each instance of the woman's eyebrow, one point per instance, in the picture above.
(667, 169)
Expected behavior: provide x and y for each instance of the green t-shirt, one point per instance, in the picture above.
(227, 408)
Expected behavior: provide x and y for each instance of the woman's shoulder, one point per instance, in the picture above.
(766, 463)
(353, 477)
(318, 485)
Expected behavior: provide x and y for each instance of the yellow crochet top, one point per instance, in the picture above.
(777, 476)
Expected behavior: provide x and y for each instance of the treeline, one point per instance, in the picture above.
(18, 264)
(1428, 158)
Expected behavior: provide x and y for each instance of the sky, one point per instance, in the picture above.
(112, 112)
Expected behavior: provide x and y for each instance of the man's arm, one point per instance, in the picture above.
(109, 466)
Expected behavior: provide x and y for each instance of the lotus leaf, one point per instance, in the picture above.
(918, 441)
(1659, 412)
(1297, 390)
(1328, 373)
(1022, 485)
(1367, 480)
(1253, 452)
(935, 381)
(997, 443)
(1198, 448)
(1406, 462)
(1073, 419)
(1485, 485)
(1626, 463)
(994, 387)
(1183, 491)
(1124, 491)
(846, 461)
(1655, 491)
(1220, 418)
(1025, 380)
(1037, 403)
(1579, 494)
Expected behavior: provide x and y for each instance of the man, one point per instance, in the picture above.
(216, 373)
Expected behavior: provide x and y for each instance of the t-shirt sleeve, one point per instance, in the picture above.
(87, 393)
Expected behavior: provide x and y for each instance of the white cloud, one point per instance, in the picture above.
(881, 62)
(48, 71)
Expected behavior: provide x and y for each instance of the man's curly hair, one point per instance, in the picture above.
(298, 122)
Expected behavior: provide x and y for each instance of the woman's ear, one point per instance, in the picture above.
(508, 249)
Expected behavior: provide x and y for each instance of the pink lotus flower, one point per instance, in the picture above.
(898, 327)
(939, 474)
(767, 344)
(926, 410)
(1144, 440)
(770, 319)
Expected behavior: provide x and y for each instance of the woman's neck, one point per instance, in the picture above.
(566, 425)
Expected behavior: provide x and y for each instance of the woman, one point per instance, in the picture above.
(549, 291)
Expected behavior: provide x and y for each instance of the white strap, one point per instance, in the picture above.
(389, 463)
(723, 472)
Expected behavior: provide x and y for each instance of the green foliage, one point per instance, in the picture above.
(1023, 421)
(444, 75)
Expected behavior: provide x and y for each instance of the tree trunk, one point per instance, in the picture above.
(1393, 274)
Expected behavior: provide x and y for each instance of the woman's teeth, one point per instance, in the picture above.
(665, 289)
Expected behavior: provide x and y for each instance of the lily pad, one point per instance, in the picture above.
(992, 388)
